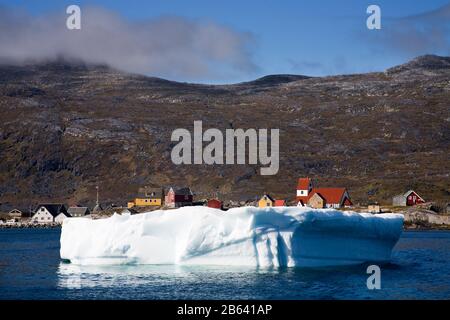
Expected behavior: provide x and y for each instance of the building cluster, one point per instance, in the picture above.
(307, 195)
(56, 213)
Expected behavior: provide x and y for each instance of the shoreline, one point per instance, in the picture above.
(406, 227)
(417, 227)
(28, 226)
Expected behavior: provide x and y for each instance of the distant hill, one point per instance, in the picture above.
(273, 80)
(67, 126)
(427, 63)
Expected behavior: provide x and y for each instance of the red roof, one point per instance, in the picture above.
(280, 203)
(303, 183)
(331, 195)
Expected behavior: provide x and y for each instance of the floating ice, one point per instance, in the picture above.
(248, 236)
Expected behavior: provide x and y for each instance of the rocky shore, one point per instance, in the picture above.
(415, 219)
(29, 226)
(421, 220)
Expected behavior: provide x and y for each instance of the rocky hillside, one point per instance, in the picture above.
(66, 127)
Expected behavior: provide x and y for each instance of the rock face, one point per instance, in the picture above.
(67, 127)
(427, 218)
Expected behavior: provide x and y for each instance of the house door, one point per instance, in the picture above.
(411, 200)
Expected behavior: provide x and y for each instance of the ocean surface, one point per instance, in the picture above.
(30, 268)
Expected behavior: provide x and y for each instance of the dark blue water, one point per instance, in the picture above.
(30, 268)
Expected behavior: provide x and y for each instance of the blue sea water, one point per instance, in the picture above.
(30, 268)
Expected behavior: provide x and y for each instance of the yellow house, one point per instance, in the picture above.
(151, 197)
(266, 201)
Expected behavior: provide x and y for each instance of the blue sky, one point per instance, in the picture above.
(300, 37)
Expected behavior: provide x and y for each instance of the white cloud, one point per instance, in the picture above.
(428, 32)
(172, 47)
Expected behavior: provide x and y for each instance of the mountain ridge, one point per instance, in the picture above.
(427, 62)
(64, 130)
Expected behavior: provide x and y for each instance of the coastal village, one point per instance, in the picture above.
(307, 194)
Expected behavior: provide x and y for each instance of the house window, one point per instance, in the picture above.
(42, 209)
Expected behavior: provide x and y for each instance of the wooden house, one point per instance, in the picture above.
(78, 212)
(148, 197)
(374, 208)
(50, 213)
(266, 201)
(316, 201)
(409, 198)
(180, 197)
(333, 197)
(15, 214)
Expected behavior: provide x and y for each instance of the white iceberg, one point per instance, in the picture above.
(247, 236)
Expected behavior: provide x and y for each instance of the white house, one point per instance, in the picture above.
(10, 222)
(50, 213)
(15, 213)
(78, 211)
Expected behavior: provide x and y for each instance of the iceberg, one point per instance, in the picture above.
(246, 236)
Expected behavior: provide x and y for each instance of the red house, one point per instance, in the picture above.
(181, 197)
(412, 198)
(279, 203)
(409, 198)
(334, 197)
(214, 203)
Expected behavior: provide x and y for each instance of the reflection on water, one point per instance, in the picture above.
(71, 276)
(209, 282)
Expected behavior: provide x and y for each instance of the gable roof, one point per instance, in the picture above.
(78, 211)
(303, 183)
(54, 208)
(407, 193)
(315, 194)
(149, 192)
(268, 197)
(186, 191)
(331, 195)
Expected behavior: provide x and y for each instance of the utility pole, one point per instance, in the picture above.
(97, 203)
